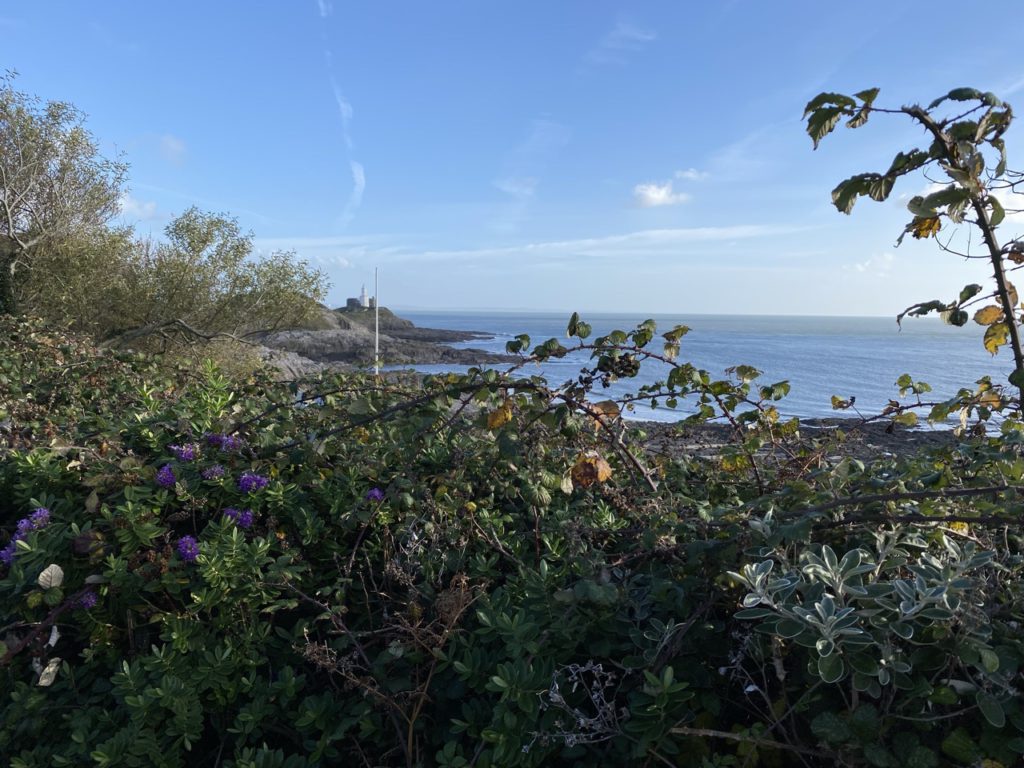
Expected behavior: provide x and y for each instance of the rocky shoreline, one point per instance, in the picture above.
(343, 340)
(853, 438)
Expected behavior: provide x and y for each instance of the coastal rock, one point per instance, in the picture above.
(345, 338)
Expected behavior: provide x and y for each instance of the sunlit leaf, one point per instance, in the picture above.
(996, 336)
(590, 468)
(51, 577)
(988, 315)
(925, 227)
(500, 416)
(49, 673)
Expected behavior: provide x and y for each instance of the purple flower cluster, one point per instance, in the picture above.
(87, 601)
(186, 452)
(188, 548)
(375, 494)
(212, 472)
(250, 482)
(165, 476)
(240, 517)
(39, 518)
(226, 443)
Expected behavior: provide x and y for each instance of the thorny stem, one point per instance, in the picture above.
(984, 223)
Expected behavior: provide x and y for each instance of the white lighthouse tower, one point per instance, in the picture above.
(364, 299)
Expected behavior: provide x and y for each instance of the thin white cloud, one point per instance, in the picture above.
(623, 39)
(517, 187)
(1012, 87)
(346, 112)
(326, 8)
(139, 210)
(878, 265)
(692, 174)
(654, 195)
(173, 149)
(356, 197)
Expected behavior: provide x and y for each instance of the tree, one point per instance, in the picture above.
(204, 282)
(54, 184)
(966, 128)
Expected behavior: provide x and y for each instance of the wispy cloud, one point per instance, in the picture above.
(138, 210)
(523, 168)
(878, 265)
(172, 149)
(345, 110)
(356, 197)
(692, 174)
(325, 7)
(649, 244)
(518, 187)
(653, 195)
(622, 40)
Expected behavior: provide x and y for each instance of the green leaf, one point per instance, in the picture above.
(998, 213)
(991, 709)
(969, 291)
(958, 94)
(822, 122)
(831, 668)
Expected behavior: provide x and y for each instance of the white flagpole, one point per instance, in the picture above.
(376, 326)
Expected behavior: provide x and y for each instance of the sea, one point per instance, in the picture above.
(859, 357)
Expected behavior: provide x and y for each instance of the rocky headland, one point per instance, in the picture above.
(343, 339)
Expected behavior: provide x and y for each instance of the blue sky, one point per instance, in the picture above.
(586, 155)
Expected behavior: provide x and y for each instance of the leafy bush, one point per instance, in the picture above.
(486, 570)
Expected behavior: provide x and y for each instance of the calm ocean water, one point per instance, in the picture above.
(819, 356)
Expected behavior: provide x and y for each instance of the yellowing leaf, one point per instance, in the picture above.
(1012, 291)
(839, 404)
(995, 337)
(960, 527)
(604, 411)
(924, 227)
(590, 468)
(49, 674)
(990, 399)
(988, 315)
(500, 416)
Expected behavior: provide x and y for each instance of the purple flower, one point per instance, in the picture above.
(186, 452)
(250, 482)
(40, 518)
(231, 443)
(224, 442)
(165, 476)
(212, 473)
(240, 517)
(375, 494)
(87, 601)
(188, 548)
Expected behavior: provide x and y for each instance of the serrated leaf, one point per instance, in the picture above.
(822, 122)
(988, 315)
(51, 577)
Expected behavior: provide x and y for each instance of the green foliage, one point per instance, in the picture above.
(55, 187)
(967, 146)
(483, 569)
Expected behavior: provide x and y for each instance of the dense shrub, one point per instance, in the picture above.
(480, 570)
